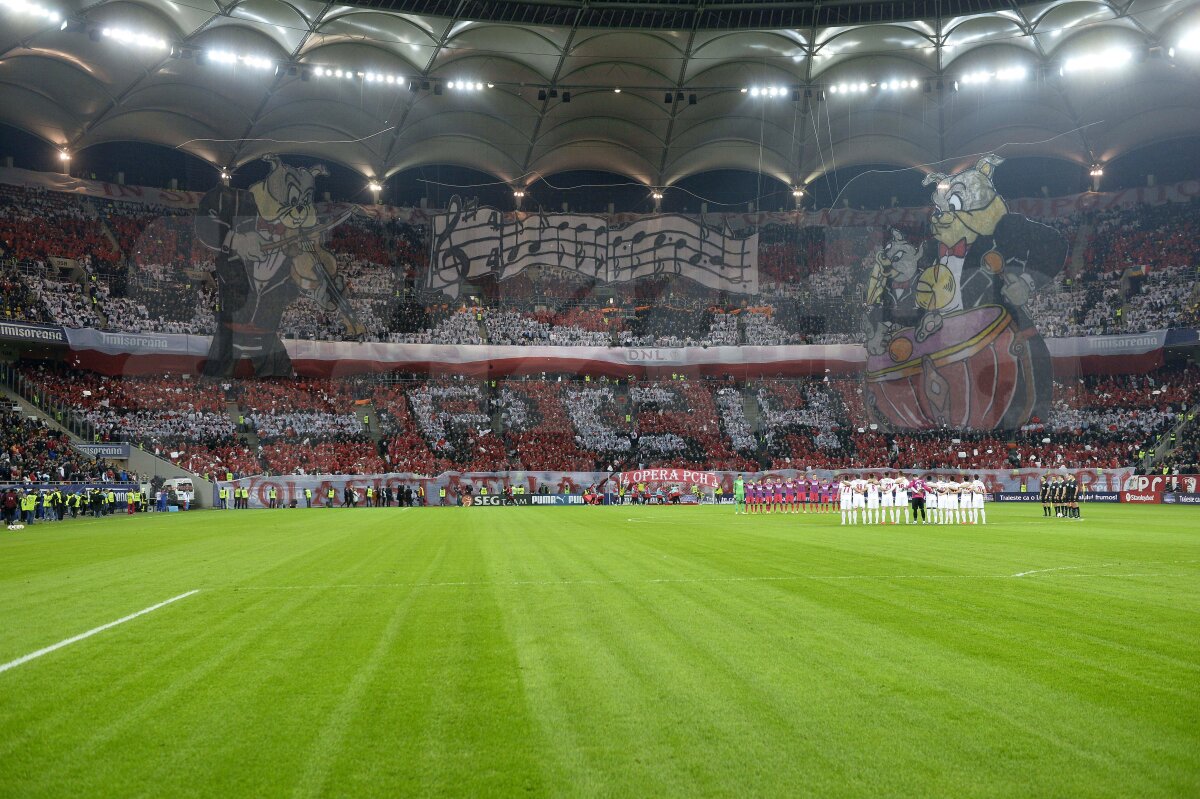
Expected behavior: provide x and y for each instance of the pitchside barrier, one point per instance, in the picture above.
(1034, 496)
(291, 487)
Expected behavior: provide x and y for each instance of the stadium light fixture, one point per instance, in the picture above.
(129, 37)
(64, 156)
(226, 57)
(1096, 171)
(656, 194)
(518, 194)
(1112, 58)
(374, 187)
(797, 192)
(618, 90)
(33, 10)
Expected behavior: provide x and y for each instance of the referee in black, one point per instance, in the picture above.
(1044, 490)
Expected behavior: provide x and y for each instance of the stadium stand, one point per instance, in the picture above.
(141, 269)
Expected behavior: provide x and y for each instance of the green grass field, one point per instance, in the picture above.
(602, 652)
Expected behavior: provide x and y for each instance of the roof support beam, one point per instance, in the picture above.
(276, 85)
(537, 126)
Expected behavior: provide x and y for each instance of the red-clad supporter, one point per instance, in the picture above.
(538, 429)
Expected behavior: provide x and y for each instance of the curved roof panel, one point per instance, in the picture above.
(656, 91)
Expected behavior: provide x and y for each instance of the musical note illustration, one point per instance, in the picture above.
(470, 241)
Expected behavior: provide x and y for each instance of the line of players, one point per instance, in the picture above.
(886, 499)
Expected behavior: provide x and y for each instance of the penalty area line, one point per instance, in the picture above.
(12, 664)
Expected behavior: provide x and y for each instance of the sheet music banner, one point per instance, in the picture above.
(471, 242)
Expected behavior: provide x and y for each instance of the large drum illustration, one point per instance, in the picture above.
(976, 373)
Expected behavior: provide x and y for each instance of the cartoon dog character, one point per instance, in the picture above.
(267, 240)
(972, 357)
(891, 289)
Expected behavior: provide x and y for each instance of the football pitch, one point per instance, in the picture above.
(601, 652)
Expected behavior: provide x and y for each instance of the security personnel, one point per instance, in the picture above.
(28, 507)
(130, 502)
(224, 493)
(308, 497)
(110, 501)
(273, 498)
(483, 492)
(330, 497)
(442, 495)
(370, 494)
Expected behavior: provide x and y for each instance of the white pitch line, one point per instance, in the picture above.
(1066, 568)
(12, 664)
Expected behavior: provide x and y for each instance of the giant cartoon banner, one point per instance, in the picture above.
(949, 336)
(470, 242)
(291, 487)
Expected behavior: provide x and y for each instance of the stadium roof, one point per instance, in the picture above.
(789, 89)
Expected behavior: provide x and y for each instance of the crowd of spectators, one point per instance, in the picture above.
(428, 426)
(33, 452)
(142, 267)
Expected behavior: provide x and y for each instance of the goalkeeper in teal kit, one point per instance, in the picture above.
(739, 495)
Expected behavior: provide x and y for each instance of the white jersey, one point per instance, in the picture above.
(901, 491)
(952, 493)
(858, 492)
(845, 495)
(978, 489)
(887, 491)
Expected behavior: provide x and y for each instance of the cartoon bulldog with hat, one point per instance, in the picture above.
(950, 339)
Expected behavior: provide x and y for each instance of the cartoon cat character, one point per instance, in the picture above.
(966, 352)
(267, 240)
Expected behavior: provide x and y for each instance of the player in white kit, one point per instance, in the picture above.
(902, 498)
(978, 489)
(844, 501)
(933, 500)
(887, 500)
(872, 500)
(953, 488)
(858, 499)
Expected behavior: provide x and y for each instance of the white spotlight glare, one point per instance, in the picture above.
(754, 91)
(478, 86)
(862, 87)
